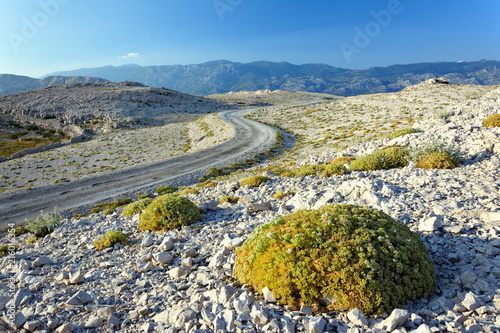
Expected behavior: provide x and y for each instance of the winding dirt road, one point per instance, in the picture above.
(249, 136)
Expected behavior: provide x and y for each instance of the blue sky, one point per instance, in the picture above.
(42, 36)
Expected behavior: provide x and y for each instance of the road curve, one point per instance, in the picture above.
(249, 136)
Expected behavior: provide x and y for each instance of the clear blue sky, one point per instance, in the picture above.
(42, 36)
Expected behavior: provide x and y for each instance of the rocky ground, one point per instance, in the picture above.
(180, 281)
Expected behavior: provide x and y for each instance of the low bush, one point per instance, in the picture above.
(492, 121)
(231, 200)
(168, 212)
(109, 239)
(167, 189)
(343, 160)
(136, 207)
(387, 158)
(280, 194)
(401, 132)
(435, 155)
(254, 181)
(333, 169)
(110, 207)
(45, 224)
(188, 190)
(337, 258)
(438, 161)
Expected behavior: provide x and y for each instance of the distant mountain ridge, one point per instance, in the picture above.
(222, 76)
(12, 84)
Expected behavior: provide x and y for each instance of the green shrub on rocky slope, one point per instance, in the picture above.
(435, 155)
(109, 239)
(136, 207)
(492, 121)
(401, 132)
(168, 212)
(337, 258)
(388, 158)
(254, 181)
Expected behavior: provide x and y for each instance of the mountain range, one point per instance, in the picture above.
(12, 84)
(222, 76)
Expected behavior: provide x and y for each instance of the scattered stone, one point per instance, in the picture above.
(304, 309)
(268, 295)
(316, 325)
(177, 272)
(471, 301)
(397, 318)
(147, 241)
(42, 261)
(76, 278)
(357, 317)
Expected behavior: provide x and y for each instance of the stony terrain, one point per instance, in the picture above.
(180, 281)
(181, 128)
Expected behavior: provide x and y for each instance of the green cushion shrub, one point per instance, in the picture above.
(253, 181)
(136, 207)
(333, 169)
(438, 161)
(337, 258)
(388, 158)
(167, 189)
(109, 239)
(492, 121)
(435, 155)
(343, 160)
(230, 199)
(168, 212)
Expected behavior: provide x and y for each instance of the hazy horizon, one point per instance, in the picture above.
(46, 36)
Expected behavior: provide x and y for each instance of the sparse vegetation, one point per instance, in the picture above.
(333, 169)
(343, 160)
(230, 199)
(254, 181)
(438, 161)
(45, 224)
(280, 194)
(388, 158)
(435, 155)
(492, 121)
(167, 189)
(167, 212)
(136, 207)
(109, 239)
(188, 190)
(401, 132)
(353, 256)
(110, 207)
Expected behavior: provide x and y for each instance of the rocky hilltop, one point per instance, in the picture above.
(78, 103)
(12, 84)
(181, 280)
(222, 76)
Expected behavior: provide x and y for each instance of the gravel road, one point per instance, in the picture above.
(249, 136)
